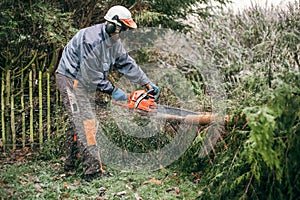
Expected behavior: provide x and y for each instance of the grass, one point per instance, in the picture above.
(47, 180)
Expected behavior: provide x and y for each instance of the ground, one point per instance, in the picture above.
(24, 175)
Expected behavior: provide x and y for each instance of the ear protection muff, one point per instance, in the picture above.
(111, 27)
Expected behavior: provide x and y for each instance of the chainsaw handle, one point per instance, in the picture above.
(150, 91)
(156, 96)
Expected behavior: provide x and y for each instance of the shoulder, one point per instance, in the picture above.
(94, 33)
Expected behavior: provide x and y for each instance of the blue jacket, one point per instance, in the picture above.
(90, 55)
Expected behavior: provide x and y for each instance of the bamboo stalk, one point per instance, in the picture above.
(54, 59)
(8, 91)
(28, 65)
(57, 96)
(40, 108)
(8, 87)
(23, 112)
(31, 109)
(3, 112)
(12, 117)
(12, 121)
(48, 106)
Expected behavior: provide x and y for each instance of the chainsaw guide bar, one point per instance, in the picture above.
(146, 103)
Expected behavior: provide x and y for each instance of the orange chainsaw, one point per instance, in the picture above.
(145, 102)
(141, 100)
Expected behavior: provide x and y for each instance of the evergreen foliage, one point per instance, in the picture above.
(258, 54)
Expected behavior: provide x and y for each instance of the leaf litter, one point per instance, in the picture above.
(46, 179)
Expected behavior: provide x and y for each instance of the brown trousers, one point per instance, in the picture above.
(81, 135)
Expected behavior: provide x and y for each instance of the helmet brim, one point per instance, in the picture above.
(129, 23)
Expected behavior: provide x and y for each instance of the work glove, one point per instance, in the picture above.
(119, 95)
(150, 86)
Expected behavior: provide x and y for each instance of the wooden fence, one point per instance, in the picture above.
(31, 110)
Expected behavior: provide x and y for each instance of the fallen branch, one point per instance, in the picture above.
(201, 119)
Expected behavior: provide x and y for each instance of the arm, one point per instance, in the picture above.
(127, 66)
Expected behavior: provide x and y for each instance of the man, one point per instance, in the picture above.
(84, 66)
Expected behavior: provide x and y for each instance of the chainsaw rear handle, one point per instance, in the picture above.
(150, 91)
(156, 96)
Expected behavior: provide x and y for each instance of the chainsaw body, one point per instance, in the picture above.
(142, 100)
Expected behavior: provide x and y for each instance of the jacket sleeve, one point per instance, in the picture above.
(127, 66)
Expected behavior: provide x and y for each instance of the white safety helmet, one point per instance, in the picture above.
(119, 13)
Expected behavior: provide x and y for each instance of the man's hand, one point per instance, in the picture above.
(150, 86)
(119, 95)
